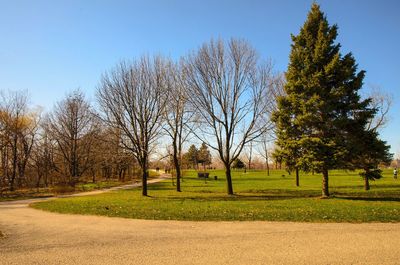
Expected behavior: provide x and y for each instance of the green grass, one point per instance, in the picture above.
(99, 185)
(257, 197)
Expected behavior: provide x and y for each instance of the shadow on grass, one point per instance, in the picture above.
(279, 194)
(361, 187)
(164, 187)
(291, 192)
(386, 199)
(243, 197)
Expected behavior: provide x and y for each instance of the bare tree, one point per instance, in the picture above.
(42, 161)
(133, 97)
(249, 154)
(72, 125)
(382, 102)
(178, 117)
(18, 126)
(227, 87)
(263, 149)
(275, 90)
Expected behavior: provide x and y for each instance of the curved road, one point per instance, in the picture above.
(38, 237)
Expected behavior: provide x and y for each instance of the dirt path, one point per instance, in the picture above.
(38, 237)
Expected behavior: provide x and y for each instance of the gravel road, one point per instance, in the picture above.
(38, 237)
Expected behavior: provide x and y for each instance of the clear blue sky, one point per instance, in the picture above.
(52, 47)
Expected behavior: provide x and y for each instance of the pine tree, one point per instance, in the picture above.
(238, 164)
(368, 151)
(192, 155)
(204, 155)
(322, 108)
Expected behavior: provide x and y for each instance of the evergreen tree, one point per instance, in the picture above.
(238, 164)
(322, 108)
(204, 155)
(367, 153)
(192, 155)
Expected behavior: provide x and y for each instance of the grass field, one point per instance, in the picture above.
(257, 197)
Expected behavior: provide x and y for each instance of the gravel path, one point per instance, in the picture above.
(38, 237)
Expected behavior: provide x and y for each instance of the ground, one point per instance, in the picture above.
(38, 237)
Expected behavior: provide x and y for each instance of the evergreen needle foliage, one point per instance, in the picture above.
(322, 117)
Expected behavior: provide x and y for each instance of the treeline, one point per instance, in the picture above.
(57, 148)
(221, 94)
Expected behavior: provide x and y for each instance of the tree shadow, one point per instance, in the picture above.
(361, 187)
(244, 197)
(353, 198)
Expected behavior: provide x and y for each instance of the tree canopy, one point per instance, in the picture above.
(322, 112)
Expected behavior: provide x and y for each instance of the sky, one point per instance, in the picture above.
(50, 48)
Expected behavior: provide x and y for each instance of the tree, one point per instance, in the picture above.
(382, 102)
(177, 117)
(18, 128)
(238, 163)
(368, 151)
(263, 149)
(43, 156)
(249, 154)
(192, 155)
(276, 90)
(133, 97)
(322, 109)
(73, 125)
(204, 155)
(227, 88)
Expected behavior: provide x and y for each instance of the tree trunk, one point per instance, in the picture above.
(120, 174)
(46, 177)
(325, 183)
(297, 178)
(145, 169)
(178, 179)
(14, 164)
(177, 167)
(38, 181)
(123, 174)
(228, 179)
(366, 183)
(144, 182)
(11, 184)
(267, 167)
(366, 180)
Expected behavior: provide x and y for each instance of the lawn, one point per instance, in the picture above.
(257, 197)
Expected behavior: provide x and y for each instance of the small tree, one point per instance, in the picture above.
(238, 164)
(204, 155)
(367, 153)
(192, 156)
